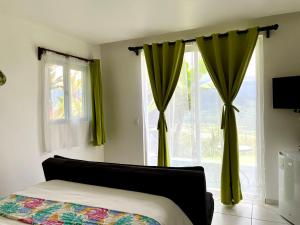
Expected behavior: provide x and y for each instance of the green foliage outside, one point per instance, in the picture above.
(211, 135)
(57, 96)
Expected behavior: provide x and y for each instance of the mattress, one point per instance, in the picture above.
(159, 208)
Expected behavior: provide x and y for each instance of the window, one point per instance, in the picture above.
(66, 97)
(194, 120)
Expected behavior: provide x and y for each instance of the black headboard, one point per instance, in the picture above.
(184, 186)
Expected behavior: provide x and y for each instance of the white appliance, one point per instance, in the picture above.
(289, 186)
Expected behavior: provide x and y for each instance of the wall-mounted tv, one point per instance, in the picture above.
(286, 92)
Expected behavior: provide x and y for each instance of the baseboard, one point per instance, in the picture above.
(271, 201)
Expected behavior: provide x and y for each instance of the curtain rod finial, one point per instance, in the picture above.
(273, 27)
(40, 52)
(134, 49)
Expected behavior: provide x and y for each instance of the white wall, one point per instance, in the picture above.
(20, 103)
(123, 97)
(282, 127)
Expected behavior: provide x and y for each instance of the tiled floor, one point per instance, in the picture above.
(247, 213)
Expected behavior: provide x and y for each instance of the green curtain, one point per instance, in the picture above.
(97, 123)
(164, 63)
(227, 59)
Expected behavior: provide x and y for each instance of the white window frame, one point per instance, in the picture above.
(67, 67)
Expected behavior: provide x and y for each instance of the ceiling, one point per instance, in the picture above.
(100, 21)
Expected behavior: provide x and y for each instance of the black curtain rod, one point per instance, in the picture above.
(267, 29)
(41, 51)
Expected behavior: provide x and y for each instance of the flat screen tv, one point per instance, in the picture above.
(286, 92)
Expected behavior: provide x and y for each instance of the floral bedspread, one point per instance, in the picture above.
(45, 212)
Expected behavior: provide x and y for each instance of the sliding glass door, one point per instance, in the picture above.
(194, 121)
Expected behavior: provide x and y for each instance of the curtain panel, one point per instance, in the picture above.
(164, 62)
(97, 122)
(227, 59)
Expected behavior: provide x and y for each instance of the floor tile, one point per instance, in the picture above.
(223, 219)
(267, 213)
(262, 222)
(242, 209)
(258, 202)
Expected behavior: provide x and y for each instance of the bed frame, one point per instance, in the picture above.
(185, 186)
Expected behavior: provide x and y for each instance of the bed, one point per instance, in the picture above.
(160, 196)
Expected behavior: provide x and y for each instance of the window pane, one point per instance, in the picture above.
(246, 122)
(76, 94)
(180, 117)
(150, 117)
(57, 98)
